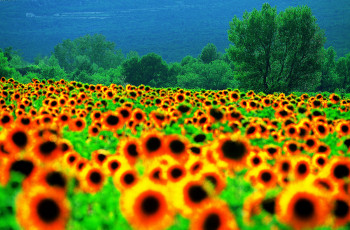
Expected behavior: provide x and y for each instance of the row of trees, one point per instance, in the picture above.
(270, 52)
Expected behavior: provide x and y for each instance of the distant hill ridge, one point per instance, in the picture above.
(172, 29)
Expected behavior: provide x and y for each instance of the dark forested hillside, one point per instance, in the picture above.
(172, 29)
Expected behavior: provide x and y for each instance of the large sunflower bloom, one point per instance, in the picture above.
(146, 206)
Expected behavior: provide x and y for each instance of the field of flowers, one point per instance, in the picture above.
(80, 156)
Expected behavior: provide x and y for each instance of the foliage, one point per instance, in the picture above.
(209, 53)
(329, 78)
(275, 52)
(93, 49)
(343, 71)
(5, 69)
(216, 75)
(149, 70)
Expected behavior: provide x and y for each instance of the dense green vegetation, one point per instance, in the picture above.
(270, 52)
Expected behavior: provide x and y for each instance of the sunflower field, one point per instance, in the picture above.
(83, 156)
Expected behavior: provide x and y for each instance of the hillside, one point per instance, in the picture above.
(172, 29)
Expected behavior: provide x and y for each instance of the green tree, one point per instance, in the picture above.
(150, 69)
(5, 70)
(209, 53)
(277, 52)
(99, 52)
(343, 71)
(217, 75)
(329, 77)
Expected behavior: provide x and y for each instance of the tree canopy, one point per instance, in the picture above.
(277, 51)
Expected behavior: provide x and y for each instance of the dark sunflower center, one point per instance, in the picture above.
(304, 208)
(217, 114)
(5, 119)
(176, 173)
(20, 139)
(129, 178)
(138, 116)
(153, 144)
(321, 128)
(197, 193)
(47, 147)
(101, 157)
(125, 113)
(256, 160)
(177, 146)
(48, 210)
(199, 138)
(95, 177)
(341, 171)
(251, 130)
(344, 128)
(55, 179)
(272, 151)
(341, 209)
(150, 205)
(322, 149)
(79, 124)
(266, 176)
(22, 166)
(114, 165)
(302, 169)
(112, 120)
(269, 205)
(132, 150)
(310, 142)
(285, 167)
(320, 161)
(212, 222)
(71, 159)
(233, 150)
(293, 147)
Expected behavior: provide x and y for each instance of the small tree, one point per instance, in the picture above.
(209, 53)
(343, 71)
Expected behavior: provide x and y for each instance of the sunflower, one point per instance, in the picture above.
(6, 119)
(301, 167)
(125, 179)
(130, 148)
(91, 179)
(99, 156)
(152, 144)
(175, 173)
(319, 160)
(77, 124)
(112, 121)
(177, 147)
(311, 144)
(47, 177)
(138, 115)
(338, 168)
(25, 166)
(340, 210)
(232, 150)
(42, 208)
(46, 150)
(146, 206)
(291, 147)
(214, 215)
(343, 128)
(302, 205)
(17, 139)
(112, 164)
(262, 177)
(93, 130)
